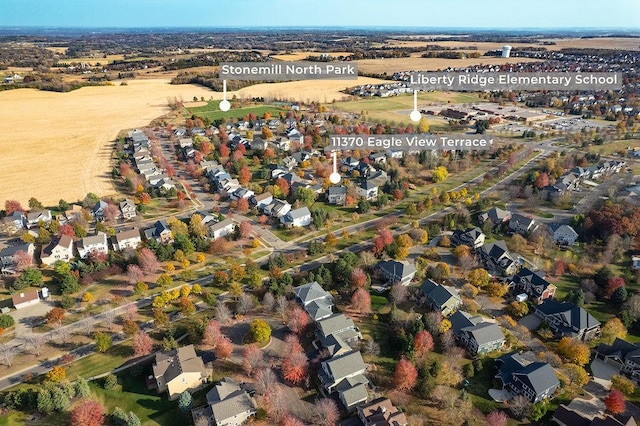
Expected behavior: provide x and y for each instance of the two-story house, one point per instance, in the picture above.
(622, 355)
(261, 200)
(178, 370)
(471, 237)
(277, 208)
(381, 412)
(36, 217)
(522, 224)
(316, 301)
(230, 405)
(536, 381)
(94, 244)
(497, 259)
(397, 272)
(496, 216)
(568, 320)
(337, 194)
(533, 284)
(368, 189)
(477, 335)
(126, 239)
(563, 234)
(128, 209)
(440, 298)
(160, 232)
(60, 248)
(349, 367)
(338, 325)
(297, 218)
(221, 229)
(10, 256)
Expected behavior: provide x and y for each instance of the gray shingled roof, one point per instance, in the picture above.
(310, 291)
(227, 399)
(485, 332)
(345, 365)
(334, 323)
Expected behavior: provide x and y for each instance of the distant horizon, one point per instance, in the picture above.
(244, 14)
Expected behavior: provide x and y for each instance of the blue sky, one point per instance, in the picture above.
(301, 13)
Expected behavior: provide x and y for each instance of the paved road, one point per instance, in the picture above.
(600, 392)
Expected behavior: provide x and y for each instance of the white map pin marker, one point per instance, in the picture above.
(225, 105)
(335, 177)
(415, 115)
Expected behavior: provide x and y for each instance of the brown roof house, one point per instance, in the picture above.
(59, 249)
(381, 412)
(177, 371)
(26, 298)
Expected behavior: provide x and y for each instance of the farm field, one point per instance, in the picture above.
(300, 56)
(59, 144)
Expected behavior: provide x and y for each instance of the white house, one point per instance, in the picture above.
(128, 209)
(25, 299)
(129, 238)
(96, 244)
(59, 249)
(262, 200)
(296, 218)
(33, 218)
(368, 190)
(636, 262)
(563, 234)
(221, 229)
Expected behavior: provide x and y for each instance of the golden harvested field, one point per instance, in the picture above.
(324, 91)
(58, 145)
(391, 65)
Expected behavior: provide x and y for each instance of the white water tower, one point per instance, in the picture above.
(506, 51)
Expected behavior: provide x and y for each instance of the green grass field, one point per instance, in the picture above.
(212, 112)
(611, 147)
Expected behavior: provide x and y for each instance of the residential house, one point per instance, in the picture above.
(563, 234)
(353, 391)
(230, 404)
(478, 336)
(622, 355)
(440, 298)
(334, 346)
(259, 144)
(15, 221)
(535, 381)
(395, 153)
(521, 224)
(533, 284)
(283, 144)
(35, 217)
(9, 256)
(471, 237)
(60, 248)
(565, 416)
(340, 368)
(567, 319)
(317, 302)
(378, 157)
(337, 195)
(99, 210)
(368, 190)
(25, 299)
(338, 325)
(497, 259)
(381, 412)
(221, 229)
(185, 143)
(262, 200)
(128, 209)
(297, 218)
(635, 262)
(496, 215)
(277, 208)
(178, 370)
(127, 239)
(240, 193)
(160, 232)
(394, 271)
(289, 163)
(94, 244)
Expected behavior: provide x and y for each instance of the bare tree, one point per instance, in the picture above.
(282, 306)
(398, 292)
(520, 407)
(371, 347)
(327, 412)
(268, 302)
(246, 304)
(109, 318)
(87, 325)
(36, 341)
(131, 311)
(265, 379)
(276, 402)
(8, 352)
(223, 314)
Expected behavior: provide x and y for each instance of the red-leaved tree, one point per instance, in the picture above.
(11, 206)
(212, 333)
(297, 320)
(613, 284)
(405, 376)
(615, 402)
(327, 412)
(358, 278)
(88, 412)
(142, 344)
(223, 348)
(242, 205)
(134, 274)
(361, 301)
(422, 343)
(148, 261)
(289, 420)
(496, 418)
(295, 367)
(245, 229)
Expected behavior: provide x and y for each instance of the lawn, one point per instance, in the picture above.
(611, 147)
(132, 395)
(212, 111)
(378, 302)
(480, 384)
(100, 363)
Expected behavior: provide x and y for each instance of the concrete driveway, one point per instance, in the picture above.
(603, 372)
(29, 317)
(531, 322)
